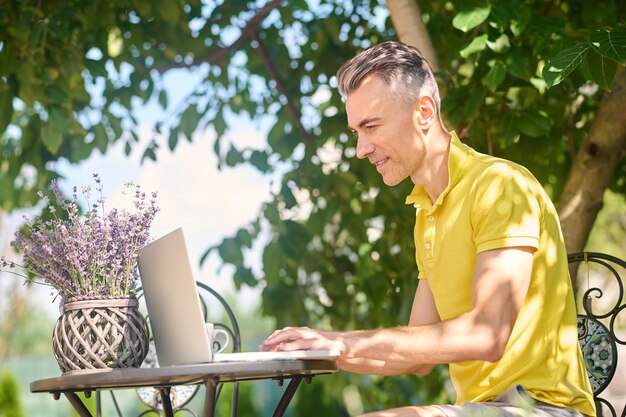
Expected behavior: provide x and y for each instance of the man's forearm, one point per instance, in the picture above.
(467, 337)
(387, 368)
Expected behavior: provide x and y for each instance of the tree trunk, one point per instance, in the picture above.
(594, 166)
(407, 20)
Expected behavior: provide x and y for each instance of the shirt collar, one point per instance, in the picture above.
(457, 158)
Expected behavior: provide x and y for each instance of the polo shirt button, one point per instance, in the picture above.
(427, 246)
(431, 219)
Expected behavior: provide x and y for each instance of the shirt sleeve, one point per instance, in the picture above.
(506, 210)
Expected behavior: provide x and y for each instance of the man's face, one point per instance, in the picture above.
(386, 133)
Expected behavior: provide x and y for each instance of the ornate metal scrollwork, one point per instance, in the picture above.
(598, 325)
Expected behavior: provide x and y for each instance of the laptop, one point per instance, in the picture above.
(176, 318)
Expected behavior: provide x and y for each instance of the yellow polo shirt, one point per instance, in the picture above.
(492, 203)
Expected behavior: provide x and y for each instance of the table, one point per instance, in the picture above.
(209, 374)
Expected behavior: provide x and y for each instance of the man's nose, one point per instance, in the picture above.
(363, 147)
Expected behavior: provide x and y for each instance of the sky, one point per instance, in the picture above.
(208, 204)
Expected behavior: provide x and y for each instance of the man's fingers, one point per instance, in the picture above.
(302, 344)
(279, 336)
(300, 338)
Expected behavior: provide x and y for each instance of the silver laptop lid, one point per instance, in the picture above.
(172, 300)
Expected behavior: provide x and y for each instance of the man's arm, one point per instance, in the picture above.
(500, 285)
(423, 312)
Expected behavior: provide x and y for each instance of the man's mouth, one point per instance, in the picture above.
(380, 163)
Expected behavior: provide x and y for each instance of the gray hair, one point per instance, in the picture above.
(400, 66)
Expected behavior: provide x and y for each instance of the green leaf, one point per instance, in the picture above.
(506, 129)
(116, 126)
(79, 150)
(495, 76)
(56, 94)
(163, 99)
(219, 124)
(469, 19)
(233, 157)
(500, 15)
(518, 64)
(189, 121)
(150, 151)
(478, 44)
(288, 197)
(519, 24)
(244, 238)
(500, 45)
(534, 125)
(244, 275)
(563, 63)
(610, 43)
(259, 160)
(173, 139)
(230, 252)
(474, 102)
(101, 140)
(601, 69)
(95, 68)
(273, 261)
(52, 138)
(59, 118)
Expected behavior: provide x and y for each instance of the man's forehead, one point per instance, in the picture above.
(367, 101)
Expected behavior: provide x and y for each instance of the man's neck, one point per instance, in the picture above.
(435, 175)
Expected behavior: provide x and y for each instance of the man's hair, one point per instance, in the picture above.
(400, 66)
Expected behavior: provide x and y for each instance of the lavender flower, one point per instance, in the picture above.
(90, 255)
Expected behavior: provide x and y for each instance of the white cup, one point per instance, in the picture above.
(218, 338)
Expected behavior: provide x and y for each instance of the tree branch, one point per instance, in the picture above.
(280, 85)
(407, 20)
(247, 31)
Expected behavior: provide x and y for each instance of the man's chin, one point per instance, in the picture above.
(391, 181)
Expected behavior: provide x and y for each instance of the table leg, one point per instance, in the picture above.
(209, 399)
(98, 404)
(167, 402)
(77, 404)
(287, 396)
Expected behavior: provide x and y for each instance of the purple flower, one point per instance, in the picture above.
(88, 255)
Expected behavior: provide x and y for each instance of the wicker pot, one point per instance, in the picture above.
(100, 334)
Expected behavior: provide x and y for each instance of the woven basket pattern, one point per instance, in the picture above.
(94, 334)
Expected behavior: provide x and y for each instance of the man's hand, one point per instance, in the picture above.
(303, 338)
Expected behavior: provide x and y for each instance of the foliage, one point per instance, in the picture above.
(94, 255)
(10, 405)
(71, 75)
(338, 247)
(600, 55)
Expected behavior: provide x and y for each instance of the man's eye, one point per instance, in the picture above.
(370, 127)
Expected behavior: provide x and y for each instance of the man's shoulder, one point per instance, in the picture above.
(488, 167)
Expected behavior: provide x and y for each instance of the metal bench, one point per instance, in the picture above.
(601, 331)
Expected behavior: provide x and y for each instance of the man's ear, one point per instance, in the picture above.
(425, 112)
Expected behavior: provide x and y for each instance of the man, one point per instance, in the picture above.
(494, 299)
